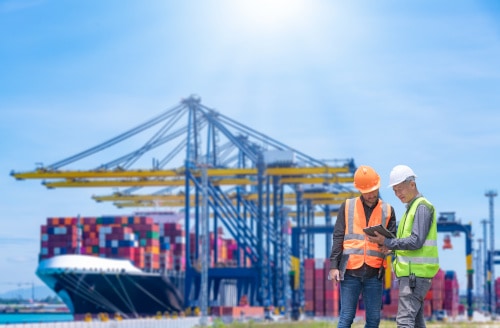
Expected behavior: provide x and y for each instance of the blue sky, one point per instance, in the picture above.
(383, 82)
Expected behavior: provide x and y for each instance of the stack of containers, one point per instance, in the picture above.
(319, 287)
(461, 309)
(150, 245)
(232, 251)
(59, 236)
(117, 242)
(216, 243)
(148, 235)
(332, 293)
(321, 296)
(451, 299)
(497, 292)
(309, 286)
(172, 238)
(427, 306)
(221, 248)
(90, 236)
(437, 291)
(390, 306)
(132, 237)
(146, 246)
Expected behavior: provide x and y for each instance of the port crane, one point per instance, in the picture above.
(255, 185)
(23, 283)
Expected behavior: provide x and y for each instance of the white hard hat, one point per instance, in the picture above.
(399, 174)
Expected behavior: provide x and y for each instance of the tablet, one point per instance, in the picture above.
(380, 229)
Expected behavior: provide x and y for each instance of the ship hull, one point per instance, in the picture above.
(97, 288)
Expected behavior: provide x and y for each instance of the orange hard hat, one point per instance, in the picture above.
(366, 179)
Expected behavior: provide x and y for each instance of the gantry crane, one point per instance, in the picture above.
(22, 283)
(255, 184)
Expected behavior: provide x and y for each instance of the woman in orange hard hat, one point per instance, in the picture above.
(355, 262)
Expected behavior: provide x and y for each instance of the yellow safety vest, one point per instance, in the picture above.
(423, 262)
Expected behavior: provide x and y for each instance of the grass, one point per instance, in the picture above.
(322, 324)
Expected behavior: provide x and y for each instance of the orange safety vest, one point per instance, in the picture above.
(356, 243)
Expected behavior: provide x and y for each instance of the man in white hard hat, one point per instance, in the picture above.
(416, 253)
(357, 264)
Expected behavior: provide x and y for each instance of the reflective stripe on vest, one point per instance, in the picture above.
(356, 244)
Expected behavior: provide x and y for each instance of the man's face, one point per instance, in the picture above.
(371, 197)
(405, 191)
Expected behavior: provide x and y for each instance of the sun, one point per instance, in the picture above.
(268, 16)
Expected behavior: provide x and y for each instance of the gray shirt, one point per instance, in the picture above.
(421, 226)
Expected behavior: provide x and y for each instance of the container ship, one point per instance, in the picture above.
(132, 266)
(93, 285)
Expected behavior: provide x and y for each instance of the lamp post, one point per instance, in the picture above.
(479, 283)
(491, 194)
(486, 269)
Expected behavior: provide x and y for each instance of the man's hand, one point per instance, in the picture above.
(385, 250)
(377, 240)
(334, 274)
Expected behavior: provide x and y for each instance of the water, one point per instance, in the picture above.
(12, 320)
(34, 317)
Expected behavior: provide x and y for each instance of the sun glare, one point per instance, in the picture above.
(268, 16)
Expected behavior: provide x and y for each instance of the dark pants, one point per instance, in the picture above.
(350, 289)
